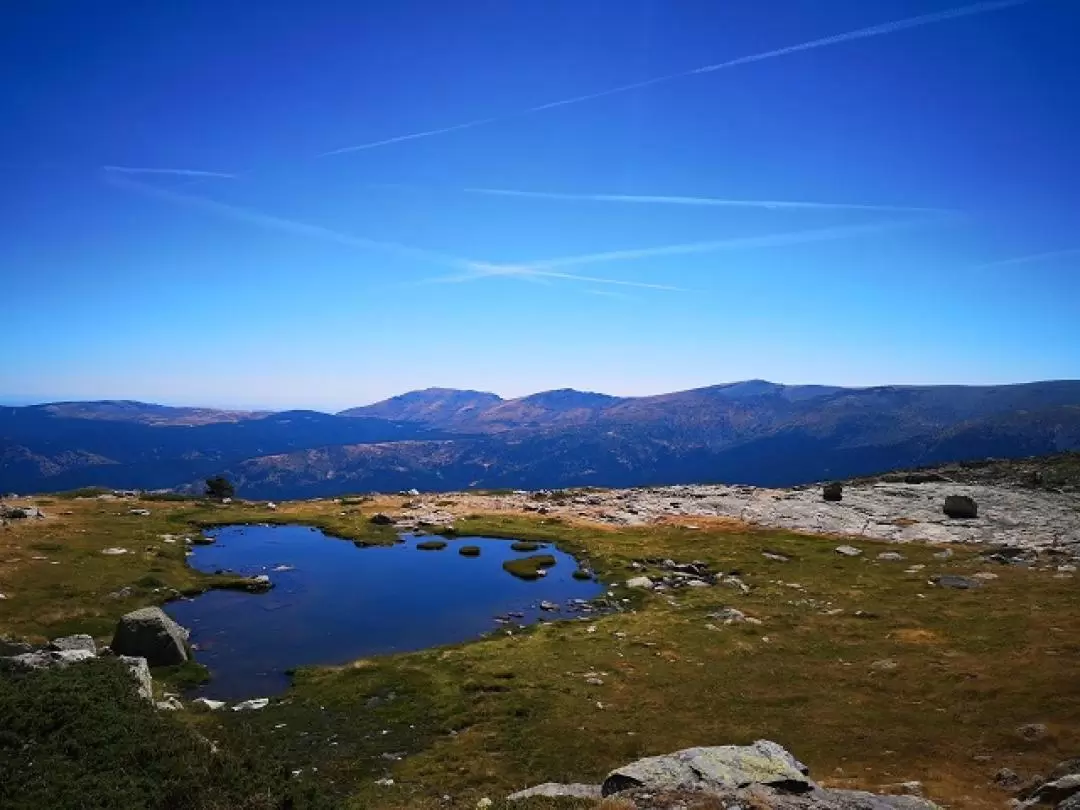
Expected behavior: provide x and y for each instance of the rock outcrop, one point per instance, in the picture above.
(960, 506)
(149, 633)
(764, 776)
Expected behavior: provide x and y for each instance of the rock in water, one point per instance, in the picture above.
(713, 769)
(960, 506)
(149, 633)
(557, 790)
(833, 492)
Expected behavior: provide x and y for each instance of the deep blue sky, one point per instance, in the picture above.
(261, 289)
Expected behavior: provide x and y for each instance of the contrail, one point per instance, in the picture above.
(848, 36)
(262, 220)
(481, 270)
(738, 243)
(1035, 257)
(179, 172)
(712, 201)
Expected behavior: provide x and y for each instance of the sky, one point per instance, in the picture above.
(320, 204)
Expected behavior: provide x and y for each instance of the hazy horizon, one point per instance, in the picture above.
(630, 198)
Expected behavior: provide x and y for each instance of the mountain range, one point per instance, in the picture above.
(753, 432)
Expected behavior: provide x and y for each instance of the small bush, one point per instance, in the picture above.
(81, 737)
(431, 545)
(469, 551)
(529, 567)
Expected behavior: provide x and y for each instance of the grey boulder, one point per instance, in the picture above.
(44, 659)
(140, 671)
(713, 769)
(955, 581)
(149, 633)
(960, 506)
(761, 797)
(80, 641)
(557, 790)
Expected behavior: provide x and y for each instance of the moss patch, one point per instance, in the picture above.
(529, 567)
(469, 551)
(431, 545)
(525, 545)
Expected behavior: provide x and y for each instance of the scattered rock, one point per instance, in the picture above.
(170, 704)
(140, 671)
(76, 642)
(115, 551)
(202, 704)
(557, 790)
(10, 647)
(960, 506)
(386, 782)
(45, 659)
(594, 681)
(890, 556)
(713, 769)
(884, 665)
(549, 606)
(251, 705)
(140, 512)
(639, 582)
(833, 492)
(1008, 779)
(955, 581)
(149, 633)
(1058, 790)
(848, 551)
(985, 576)
(1064, 768)
(944, 554)
(382, 519)
(1032, 732)
(271, 506)
(776, 555)
(20, 512)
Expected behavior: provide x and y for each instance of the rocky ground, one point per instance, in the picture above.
(1010, 516)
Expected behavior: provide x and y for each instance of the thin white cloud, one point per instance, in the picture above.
(173, 172)
(882, 29)
(1031, 259)
(707, 201)
(553, 268)
(290, 226)
(610, 294)
(713, 246)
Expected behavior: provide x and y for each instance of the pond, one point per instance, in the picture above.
(333, 602)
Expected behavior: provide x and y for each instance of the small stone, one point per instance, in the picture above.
(251, 705)
(890, 556)
(169, 704)
(848, 551)
(944, 554)
(76, 642)
(594, 681)
(484, 803)
(549, 606)
(884, 664)
(140, 512)
(114, 551)
(387, 782)
(955, 581)
(639, 582)
(556, 790)
(985, 576)
(1032, 732)
(1008, 779)
(202, 704)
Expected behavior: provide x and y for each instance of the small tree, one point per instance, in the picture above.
(219, 487)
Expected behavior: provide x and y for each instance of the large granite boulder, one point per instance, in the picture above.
(713, 769)
(144, 684)
(960, 506)
(149, 633)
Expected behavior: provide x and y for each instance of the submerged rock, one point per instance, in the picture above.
(149, 633)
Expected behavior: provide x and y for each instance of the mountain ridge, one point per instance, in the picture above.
(752, 432)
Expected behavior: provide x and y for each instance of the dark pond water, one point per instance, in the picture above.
(338, 602)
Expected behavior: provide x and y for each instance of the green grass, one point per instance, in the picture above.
(529, 567)
(582, 574)
(469, 551)
(80, 737)
(431, 545)
(508, 711)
